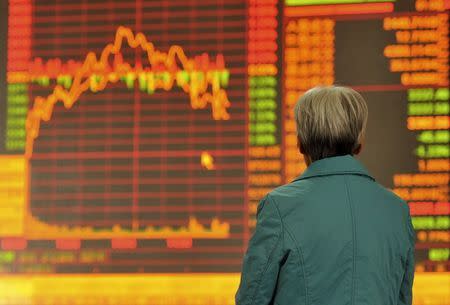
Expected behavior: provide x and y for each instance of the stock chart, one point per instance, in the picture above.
(137, 137)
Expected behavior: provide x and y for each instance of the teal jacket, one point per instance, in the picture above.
(333, 236)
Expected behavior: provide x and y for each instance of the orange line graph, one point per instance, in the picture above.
(36, 229)
(95, 74)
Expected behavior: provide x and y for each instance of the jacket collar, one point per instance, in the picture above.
(338, 165)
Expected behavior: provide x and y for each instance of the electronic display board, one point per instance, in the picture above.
(137, 137)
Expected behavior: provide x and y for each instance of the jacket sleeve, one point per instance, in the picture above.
(406, 295)
(263, 257)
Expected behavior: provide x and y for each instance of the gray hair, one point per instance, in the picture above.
(331, 121)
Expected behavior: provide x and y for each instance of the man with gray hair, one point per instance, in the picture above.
(333, 236)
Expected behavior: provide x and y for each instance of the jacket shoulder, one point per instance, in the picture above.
(302, 190)
(287, 195)
(392, 197)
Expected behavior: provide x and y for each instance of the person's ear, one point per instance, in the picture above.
(299, 145)
(307, 159)
(358, 149)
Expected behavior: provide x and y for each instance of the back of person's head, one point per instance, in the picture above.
(331, 121)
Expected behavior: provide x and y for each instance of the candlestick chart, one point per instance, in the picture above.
(128, 122)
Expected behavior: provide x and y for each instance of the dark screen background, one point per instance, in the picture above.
(360, 63)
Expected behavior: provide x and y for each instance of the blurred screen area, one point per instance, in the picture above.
(137, 137)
